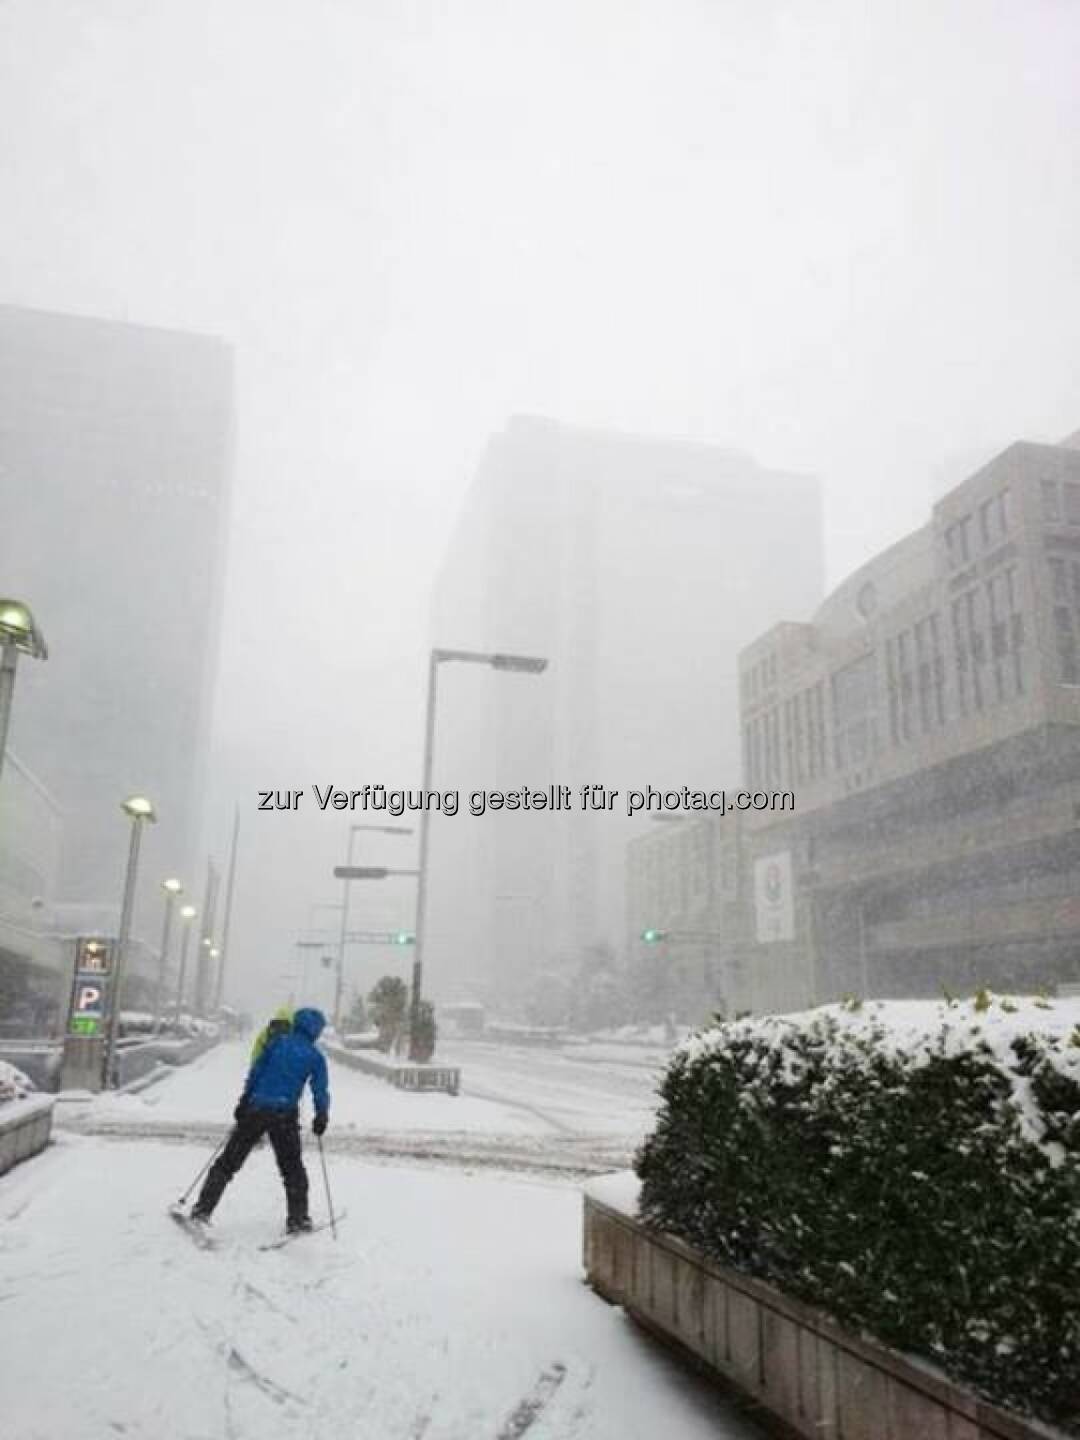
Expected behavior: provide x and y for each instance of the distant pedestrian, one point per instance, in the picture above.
(269, 1105)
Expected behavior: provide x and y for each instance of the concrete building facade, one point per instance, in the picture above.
(927, 718)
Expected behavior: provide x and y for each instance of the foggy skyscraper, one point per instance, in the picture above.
(115, 452)
(638, 567)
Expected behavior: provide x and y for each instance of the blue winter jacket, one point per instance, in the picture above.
(276, 1080)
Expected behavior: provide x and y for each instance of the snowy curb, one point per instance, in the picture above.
(446, 1078)
(25, 1126)
(793, 1360)
(143, 1082)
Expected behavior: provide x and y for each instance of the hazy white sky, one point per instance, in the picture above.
(841, 236)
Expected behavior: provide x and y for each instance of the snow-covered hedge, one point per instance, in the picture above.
(912, 1167)
(14, 1085)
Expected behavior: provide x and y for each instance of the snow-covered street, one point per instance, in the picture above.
(519, 1109)
(450, 1307)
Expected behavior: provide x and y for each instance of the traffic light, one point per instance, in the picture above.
(653, 937)
(404, 937)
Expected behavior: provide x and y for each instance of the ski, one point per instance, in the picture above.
(299, 1234)
(194, 1228)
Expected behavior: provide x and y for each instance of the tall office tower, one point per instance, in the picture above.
(115, 453)
(638, 568)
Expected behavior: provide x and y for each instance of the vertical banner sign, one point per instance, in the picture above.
(773, 900)
(93, 963)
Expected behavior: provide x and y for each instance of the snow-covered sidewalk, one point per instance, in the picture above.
(450, 1308)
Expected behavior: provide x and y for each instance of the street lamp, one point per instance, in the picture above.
(187, 914)
(519, 664)
(339, 980)
(141, 812)
(172, 889)
(18, 632)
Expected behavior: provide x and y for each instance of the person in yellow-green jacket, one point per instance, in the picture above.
(280, 1024)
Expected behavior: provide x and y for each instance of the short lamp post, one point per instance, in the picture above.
(140, 811)
(187, 914)
(173, 889)
(18, 635)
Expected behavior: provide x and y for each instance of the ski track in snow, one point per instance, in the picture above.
(529, 1409)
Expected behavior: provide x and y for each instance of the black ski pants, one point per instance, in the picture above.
(282, 1127)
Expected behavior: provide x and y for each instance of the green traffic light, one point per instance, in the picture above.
(652, 937)
(404, 937)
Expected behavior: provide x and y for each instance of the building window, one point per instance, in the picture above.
(1051, 502)
(1016, 627)
(1059, 583)
(937, 663)
(1072, 502)
(748, 755)
(957, 541)
(929, 675)
(799, 737)
(1066, 645)
(906, 681)
(970, 650)
(814, 699)
(775, 777)
(999, 634)
(811, 734)
(893, 687)
(960, 651)
(994, 519)
(854, 700)
(922, 673)
(819, 713)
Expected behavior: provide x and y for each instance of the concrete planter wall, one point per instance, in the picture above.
(40, 1061)
(819, 1380)
(25, 1126)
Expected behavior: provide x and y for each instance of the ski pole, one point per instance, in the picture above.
(202, 1172)
(326, 1182)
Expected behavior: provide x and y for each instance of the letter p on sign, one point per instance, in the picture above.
(88, 1000)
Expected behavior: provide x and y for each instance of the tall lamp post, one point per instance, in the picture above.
(339, 980)
(172, 889)
(18, 633)
(187, 914)
(140, 811)
(520, 664)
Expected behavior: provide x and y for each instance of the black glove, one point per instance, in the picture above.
(320, 1122)
(241, 1109)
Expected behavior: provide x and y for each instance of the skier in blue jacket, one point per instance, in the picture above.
(269, 1106)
